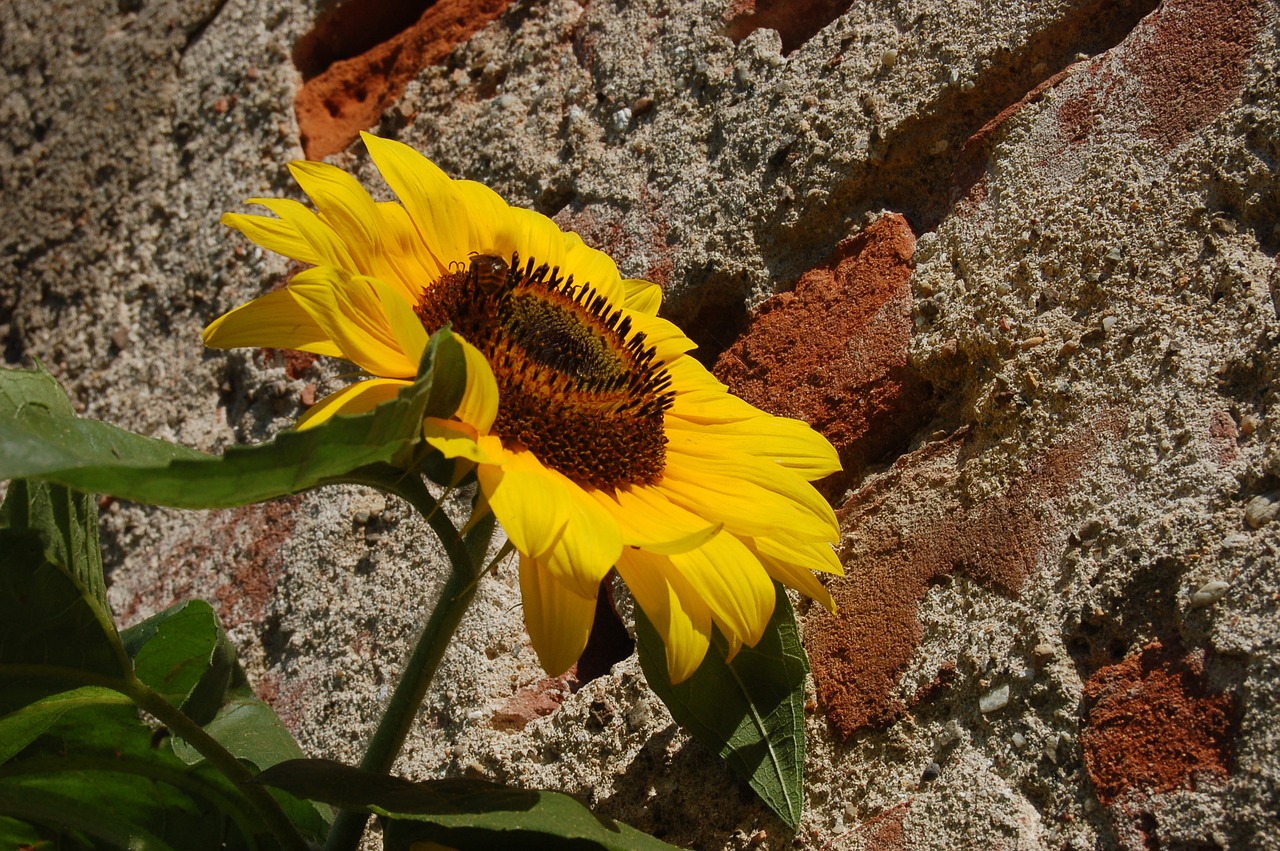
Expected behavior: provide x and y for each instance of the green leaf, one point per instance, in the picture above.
(183, 654)
(23, 726)
(53, 633)
(67, 522)
(458, 813)
(87, 754)
(251, 731)
(56, 808)
(76, 755)
(750, 711)
(20, 835)
(47, 441)
(103, 771)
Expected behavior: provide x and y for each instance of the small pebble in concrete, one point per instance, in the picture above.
(1108, 323)
(1262, 509)
(930, 773)
(639, 713)
(1209, 593)
(889, 58)
(621, 119)
(994, 700)
(1043, 653)
(1018, 741)
(1235, 539)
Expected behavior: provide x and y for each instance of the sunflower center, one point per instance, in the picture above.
(576, 387)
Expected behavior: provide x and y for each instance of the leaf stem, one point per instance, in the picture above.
(464, 554)
(220, 758)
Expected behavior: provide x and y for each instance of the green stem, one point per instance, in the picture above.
(220, 758)
(457, 594)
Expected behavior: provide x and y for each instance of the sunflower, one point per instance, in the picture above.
(598, 441)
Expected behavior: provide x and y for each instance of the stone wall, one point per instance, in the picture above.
(1018, 260)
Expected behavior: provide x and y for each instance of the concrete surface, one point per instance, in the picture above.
(1017, 259)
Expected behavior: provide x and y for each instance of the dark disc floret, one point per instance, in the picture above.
(576, 386)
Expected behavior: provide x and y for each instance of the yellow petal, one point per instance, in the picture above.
(700, 398)
(800, 579)
(346, 207)
(652, 522)
(689, 374)
(531, 235)
(742, 505)
(274, 235)
(811, 555)
(642, 296)
(558, 618)
(413, 267)
(728, 577)
(591, 266)
(353, 399)
(590, 544)
(729, 465)
(371, 323)
(532, 506)
(487, 216)
(405, 326)
(274, 320)
(683, 620)
(427, 194)
(790, 443)
(667, 340)
(479, 405)
(460, 440)
(327, 246)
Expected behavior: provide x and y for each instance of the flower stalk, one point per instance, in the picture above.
(465, 554)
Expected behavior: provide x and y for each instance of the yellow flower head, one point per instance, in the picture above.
(598, 441)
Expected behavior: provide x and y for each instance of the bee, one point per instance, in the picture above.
(488, 272)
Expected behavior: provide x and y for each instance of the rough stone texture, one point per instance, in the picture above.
(1092, 190)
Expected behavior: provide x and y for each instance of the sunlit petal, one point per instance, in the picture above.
(683, 620)
(532, 506)
(274, 320)
(358, 398)
(558, 617)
